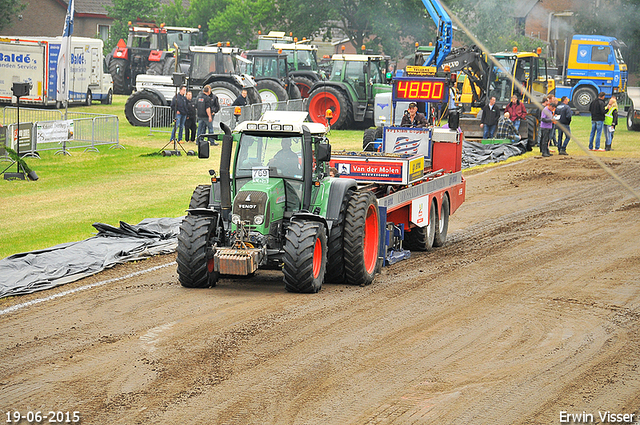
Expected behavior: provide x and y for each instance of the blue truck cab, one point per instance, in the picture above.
(594, 65)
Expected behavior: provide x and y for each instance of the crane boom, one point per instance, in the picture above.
(445, 32)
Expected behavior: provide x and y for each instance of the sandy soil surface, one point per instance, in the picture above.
(531, 309)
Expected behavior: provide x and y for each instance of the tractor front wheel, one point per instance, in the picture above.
(305, 257)
(361, 238)
(195, 259)
(327, 97)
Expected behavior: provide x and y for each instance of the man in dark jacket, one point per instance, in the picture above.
(597, 109)
(489, 120)
(191, 123)
(203, 108)
(563, 111)
(413, 118)
(179, 106)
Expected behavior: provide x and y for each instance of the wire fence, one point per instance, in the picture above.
(162, 116)
(81, 130)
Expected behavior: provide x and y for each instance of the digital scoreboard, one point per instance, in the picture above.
(420, 89)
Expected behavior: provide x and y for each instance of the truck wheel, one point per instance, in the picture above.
(304, 85)
(109, 99)
(121, 75)
(139, 107)
(195, 268)
(88, 99)
(368, 140)
(169, 66)
(361, 238)
(200, 197)
(225, 91)
(335, 256)
(440, 235)
(582, 98)
(421, 238)
(305, 257)
(271, 92)
(155, 68)
(630, 125)
(323, 98)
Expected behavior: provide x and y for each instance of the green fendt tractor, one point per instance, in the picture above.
(279, 208)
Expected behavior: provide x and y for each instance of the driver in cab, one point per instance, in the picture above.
(413, 118)
(286, 159)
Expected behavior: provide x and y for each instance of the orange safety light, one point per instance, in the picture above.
(447, 68)
(343, 49)
(417, 44)
(228, 44)
(290, 33)
(328, 114)
(539, 50)
(430, 44)
(199, 26)
(279, 51)
(237, 111)
(129, 23)
(259, 32)
(162, 25)
(219, 44)
(515, 49)
(316, 184)
(295, 39)
(304, 38)
(363, 47)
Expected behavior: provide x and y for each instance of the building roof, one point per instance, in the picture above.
(97, 7)
(522, 8)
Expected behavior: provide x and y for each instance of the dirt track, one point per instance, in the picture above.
(532, 308)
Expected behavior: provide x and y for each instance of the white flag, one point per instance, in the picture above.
(63, 56)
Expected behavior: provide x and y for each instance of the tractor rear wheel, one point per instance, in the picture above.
(361, 238)
(155, 68)
(121, 75)
(304, 85)
(440, 235)
(323, 98)
(293, 91)
(139, 107)
(200, 197)
(169, 66)
(421, 238)
(271, 92)
(225, 91)
(532, 132)
(335, 256)
(305, 257)
(195, 262)
(368, 140)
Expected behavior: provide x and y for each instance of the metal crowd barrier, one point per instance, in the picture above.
(162, 117)
(89, 130)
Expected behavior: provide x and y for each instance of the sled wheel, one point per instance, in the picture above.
(440, 235)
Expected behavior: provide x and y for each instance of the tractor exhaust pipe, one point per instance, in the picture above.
(225, 164)
(308, 165)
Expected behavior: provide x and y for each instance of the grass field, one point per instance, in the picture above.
(75, 191)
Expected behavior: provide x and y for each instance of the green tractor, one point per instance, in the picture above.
(350, 91)
(269, 68)
(279, 208)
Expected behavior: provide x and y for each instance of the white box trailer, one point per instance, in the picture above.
(35, 60)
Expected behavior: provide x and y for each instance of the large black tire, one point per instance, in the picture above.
(421, 238)
(88, 99)
(361, 238)
(532, 131)
(583, 97)
(109, 99)
(155, 68)
(200, 197)
(327, 97)
(368, 140)
(630, 124)
(271, 92)
(305, 257)
(225, 91)
(169, 66)
(304, 84)
(121, 76)
(335, 255)
(440, 235)
(139, 107)
(294, 92)
(195, 268)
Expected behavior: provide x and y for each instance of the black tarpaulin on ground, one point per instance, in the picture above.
(474, 153)
(47, 268)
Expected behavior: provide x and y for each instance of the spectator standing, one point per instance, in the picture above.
(517, 111)
(203, 109)
(546, 125)
(610, 122)
(506, 129)
(179, 106)
(191, 123)
(563, 111)
(489, 120)
(241, 100)
(597, 109)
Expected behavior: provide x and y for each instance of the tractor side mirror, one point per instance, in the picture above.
(323, 152)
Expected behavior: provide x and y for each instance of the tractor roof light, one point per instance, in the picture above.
(295, 39)
(228, 44)
(539, 50)
(287, 127)
(328, 114)
(343, 48)
(252, 126)
(162, 25)
(515, 49)
(279, 51)
(363, 47)
(447, 68)
(276, 127)
(263, 126)
(219, 44)
(237, 111)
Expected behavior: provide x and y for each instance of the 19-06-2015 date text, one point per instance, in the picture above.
(51, 417)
